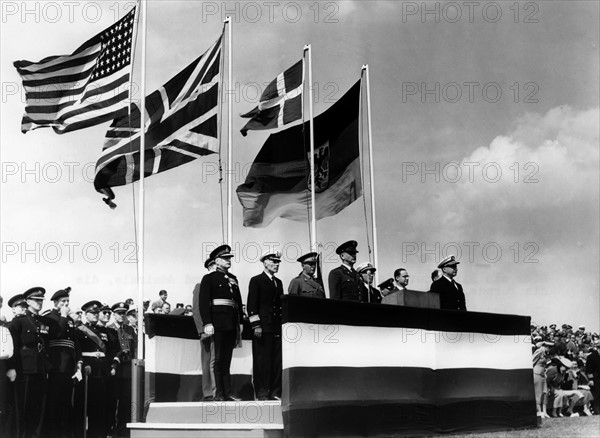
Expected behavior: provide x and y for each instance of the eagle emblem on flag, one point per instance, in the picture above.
(321, 167)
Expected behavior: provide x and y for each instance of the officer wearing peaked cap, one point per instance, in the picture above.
(207, 344)
(366, 271)
(18, 304)
(264, 309)
(100, 361)
(451, 293)
(65, 358)
(128, 343)
(344, 281)
(31, 334)
(305, 283)
(220, 307)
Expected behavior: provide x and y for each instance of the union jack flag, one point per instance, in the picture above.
(182, 121)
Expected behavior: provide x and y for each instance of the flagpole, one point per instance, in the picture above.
(137, 370)
(313, 217)
(365, 70)
(229, 137)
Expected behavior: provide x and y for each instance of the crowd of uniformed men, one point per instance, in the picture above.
(69, 376)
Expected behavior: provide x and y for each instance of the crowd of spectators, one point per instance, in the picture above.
(566, 368)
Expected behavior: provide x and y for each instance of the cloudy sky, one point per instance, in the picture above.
(485, 135)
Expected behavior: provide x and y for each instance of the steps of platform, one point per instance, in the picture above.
(247, 419)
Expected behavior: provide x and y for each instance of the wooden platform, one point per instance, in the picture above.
(211, 419)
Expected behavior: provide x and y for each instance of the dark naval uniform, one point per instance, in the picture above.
(31, 335)
(128, 345)
(264, 310)
(374, 296)
(451, 293)
(306, 286)
(220, 304)
(344, 284)
(96, 349)
(64, 354)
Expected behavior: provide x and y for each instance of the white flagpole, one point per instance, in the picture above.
(229, 137)
(140, 265)
(365, 69)
(313, 216)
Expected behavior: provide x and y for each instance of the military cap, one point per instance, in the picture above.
(387, 284)
(582, 327)
(208, 262)
(310, 257)
(569, 327)
(553, 326)
(365, 266)
(448, 261)
(271, 255)
(17, 300)
(105, 308)
(120, 307)
(349, 247)
(35, 293)
(132, 311)
(62, 293)
(92, 306)
(223, 251)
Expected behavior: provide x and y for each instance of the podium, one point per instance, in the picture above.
(353, 369)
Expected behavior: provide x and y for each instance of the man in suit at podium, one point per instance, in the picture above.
(264, 309)
(451, 293)
(394, 295)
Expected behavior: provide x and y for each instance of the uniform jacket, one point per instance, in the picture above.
(306, 286)
(127, 339)
(264, 303)
(64, 350)
(344, 284)
(375, 295)
(220, 285)
(592, 366)
(30, 334)
(451, 298)
(196, 309)
(98, 341)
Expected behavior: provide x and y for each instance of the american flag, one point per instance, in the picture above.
(280, 103)
(181, 125)
(86, 88)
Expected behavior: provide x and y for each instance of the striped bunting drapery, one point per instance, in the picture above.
(352, 369)
(86, 88)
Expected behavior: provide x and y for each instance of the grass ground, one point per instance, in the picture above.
(581, 427)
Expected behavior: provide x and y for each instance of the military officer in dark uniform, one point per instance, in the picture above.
(9, 428)
(344, 281)
(305, 283)
(451, 293)
(220, 306)
(111, 381)
(29, 365)
(128, 342)
(96, 349)
(264, 310)
(65, 360)
(367, 271)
